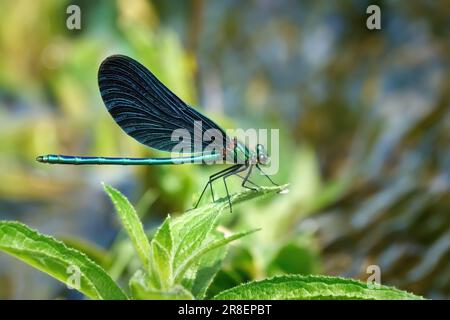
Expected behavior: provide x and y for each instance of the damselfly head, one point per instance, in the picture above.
(261, 155)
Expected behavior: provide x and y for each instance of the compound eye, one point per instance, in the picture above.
(263, 158)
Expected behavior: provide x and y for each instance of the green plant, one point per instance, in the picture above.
(179, 262)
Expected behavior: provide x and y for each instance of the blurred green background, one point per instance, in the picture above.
(364, 119)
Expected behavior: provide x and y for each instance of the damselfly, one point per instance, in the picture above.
(150, 113)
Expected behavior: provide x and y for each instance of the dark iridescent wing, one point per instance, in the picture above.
(146, 109)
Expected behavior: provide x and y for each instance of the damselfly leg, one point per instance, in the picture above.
(214, 177)
(259, 168)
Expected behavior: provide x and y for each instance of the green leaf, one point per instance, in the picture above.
(207, 268)
(132, 224)
(185, 252)
(196, 256)
(313, 288)
(61, 262)
(141, 291)
(176, 292)
(181, 270)
(191, 229)
(162, 256)
(244, 196)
